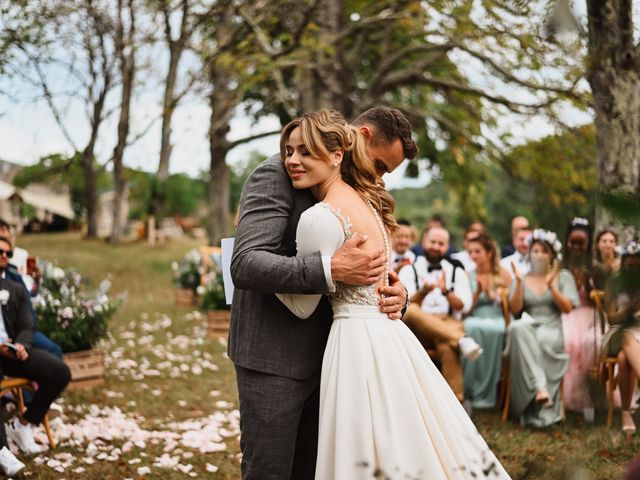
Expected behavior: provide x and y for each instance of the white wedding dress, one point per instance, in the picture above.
(385, 409)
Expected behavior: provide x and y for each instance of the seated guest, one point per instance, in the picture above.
(517, 223)
(485, 322)
(40, 340)
(402, 240)
(537, 357)
(623, 339)
(440, 295)
(18, 358)
(607, 262)
(463, 255)
(435, 221)
(581, 336)
(521, 256)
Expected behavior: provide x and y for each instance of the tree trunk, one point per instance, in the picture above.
(338, 75)
(617, 104)
(90, 191)
(127, 72)
(168, 107)
(223, 102)
(329, 84)
(614, 76)
(89, 167)
(218, 191)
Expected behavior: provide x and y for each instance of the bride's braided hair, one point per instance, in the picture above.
(326, 131)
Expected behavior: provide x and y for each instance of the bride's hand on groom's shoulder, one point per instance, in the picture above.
(354, 266)
(394, 297)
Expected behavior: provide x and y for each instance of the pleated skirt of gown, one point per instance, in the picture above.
(386, 410)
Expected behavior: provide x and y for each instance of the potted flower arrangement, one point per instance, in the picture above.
(213, 299)
(187, 273)
(75, 320)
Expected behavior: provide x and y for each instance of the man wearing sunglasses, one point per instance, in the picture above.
(19, 358)
(40, 340)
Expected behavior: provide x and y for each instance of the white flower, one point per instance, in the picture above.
(551, 238)
(631, 248)
(579, 221)
(4, 297)
(57, 273)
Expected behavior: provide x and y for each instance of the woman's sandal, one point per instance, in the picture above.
(628, 426)
(544, 399)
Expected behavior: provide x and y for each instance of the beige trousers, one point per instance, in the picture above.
(441, 332)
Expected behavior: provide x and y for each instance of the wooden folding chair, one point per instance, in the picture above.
(504, 392)
(607, 363)
(15, 386)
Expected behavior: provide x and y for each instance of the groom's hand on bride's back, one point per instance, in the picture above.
(393, 297)
(354, 266)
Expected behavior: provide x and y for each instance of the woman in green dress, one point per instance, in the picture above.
(485, 322)
(537, 356)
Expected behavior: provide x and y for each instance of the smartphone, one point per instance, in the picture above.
(11, 346)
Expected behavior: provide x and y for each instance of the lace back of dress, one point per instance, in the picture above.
(351, 294)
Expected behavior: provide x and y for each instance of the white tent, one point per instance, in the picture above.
(59, 204)
(38, 196)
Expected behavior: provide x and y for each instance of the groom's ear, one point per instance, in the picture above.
(366, 132)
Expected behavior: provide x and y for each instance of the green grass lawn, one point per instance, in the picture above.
(164, 373)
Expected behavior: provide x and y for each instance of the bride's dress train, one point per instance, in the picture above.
(385, 409)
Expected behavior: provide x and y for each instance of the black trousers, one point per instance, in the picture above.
(50, 373)
(279, 425)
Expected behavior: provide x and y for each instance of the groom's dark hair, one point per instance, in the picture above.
(389, 124)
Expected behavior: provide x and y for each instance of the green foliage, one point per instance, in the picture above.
(623, 206)
(139, 183)
(549, 181)
(184, 195)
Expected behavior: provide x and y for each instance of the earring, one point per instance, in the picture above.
(334, 165)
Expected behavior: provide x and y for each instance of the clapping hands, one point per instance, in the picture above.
(552, 277)
(516, 272)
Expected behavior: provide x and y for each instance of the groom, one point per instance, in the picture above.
(277, 355)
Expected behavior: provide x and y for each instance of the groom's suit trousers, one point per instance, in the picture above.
(279, 423)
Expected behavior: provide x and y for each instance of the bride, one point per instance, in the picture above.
(385, 410)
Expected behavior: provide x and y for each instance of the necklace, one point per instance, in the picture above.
(386, 242)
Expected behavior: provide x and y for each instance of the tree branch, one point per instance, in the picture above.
(508, 76)
(250, 138)
(49, 99)
(419, 77)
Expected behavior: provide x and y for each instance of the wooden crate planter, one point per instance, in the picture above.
(185, 297)
(87, 368)
(218, 322)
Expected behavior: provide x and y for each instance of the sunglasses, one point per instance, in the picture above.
(8, 253)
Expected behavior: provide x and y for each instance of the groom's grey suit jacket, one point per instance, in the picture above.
(264, 335)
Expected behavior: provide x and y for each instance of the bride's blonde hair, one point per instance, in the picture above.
(326, 131)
